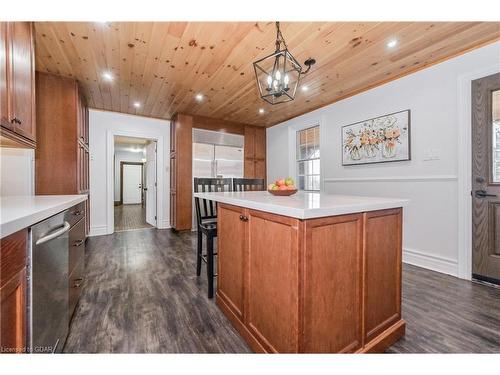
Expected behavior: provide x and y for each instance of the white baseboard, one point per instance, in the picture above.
(432, 262)
(98, 231)
(165, 224)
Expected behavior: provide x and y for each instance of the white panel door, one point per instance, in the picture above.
(151, 184)
(132, 178)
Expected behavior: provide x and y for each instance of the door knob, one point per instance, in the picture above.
(483, 194)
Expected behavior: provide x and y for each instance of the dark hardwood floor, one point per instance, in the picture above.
(141, 295)
(130, 216)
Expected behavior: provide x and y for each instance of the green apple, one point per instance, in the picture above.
(289, 181)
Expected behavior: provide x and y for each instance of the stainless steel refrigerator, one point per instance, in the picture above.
(217, 154)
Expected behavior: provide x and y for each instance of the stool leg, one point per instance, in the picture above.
(199, 245)
(210, 265)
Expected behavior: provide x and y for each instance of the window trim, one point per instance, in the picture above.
(297, 160)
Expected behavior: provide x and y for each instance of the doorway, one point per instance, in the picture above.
(135, 183)
(486, 179)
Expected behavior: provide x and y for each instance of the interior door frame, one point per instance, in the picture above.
(122, 163)
(162, 174)
(464, 175)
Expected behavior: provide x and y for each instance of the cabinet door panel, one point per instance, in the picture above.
(249, 168)
(260, 169)
(249, 140)
(4, 112)
(333, 284)
(13, 293)
(13, 314)
(22, 88)
(231, 260)
(382, 283)
(260, 143)
(272, 287)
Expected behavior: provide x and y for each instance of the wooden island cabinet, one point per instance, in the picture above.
(329, 284)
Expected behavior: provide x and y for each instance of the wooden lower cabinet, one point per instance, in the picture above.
(13, 286)
(332, 275)
(327, 285)
(382, 283)
(230, 267)
(272, 286)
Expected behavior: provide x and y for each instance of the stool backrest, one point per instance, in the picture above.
(207, 209)
(248, 184)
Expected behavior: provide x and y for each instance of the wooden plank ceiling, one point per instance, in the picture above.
(164, 65)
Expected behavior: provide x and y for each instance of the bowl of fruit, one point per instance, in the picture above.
(282, 186)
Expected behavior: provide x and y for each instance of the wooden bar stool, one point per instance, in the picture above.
(206, 218)
(248, 184)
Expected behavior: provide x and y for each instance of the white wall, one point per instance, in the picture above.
(103, 126)
(431, 234)
(123, 155)
(17, 171)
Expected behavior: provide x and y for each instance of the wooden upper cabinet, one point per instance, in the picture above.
(249, 142)
(17, 83)
(22, 78)
(4, 112)
(255, 152)
(82, 117)
(260, 143)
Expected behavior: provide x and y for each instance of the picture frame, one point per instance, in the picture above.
(381, 139)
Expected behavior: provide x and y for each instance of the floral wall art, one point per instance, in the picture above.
(378, 140)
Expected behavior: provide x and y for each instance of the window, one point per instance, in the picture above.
(308, 159)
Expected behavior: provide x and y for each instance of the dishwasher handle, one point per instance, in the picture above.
(54, 234)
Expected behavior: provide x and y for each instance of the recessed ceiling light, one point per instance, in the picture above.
(199, 97)
(137, 105)
(261, 110)
(392, 43)
(108, 76)
(304, 88)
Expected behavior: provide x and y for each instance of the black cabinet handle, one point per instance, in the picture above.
(77, 213)
(15, 120)
(79, 243)
(243, 218)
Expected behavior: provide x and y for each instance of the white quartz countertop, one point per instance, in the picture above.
(19, 212)
(305, 205)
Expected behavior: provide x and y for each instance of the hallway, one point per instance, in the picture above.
(129, 217)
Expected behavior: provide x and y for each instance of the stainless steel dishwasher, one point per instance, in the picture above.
(48, 307)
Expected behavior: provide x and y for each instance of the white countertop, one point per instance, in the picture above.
(19, 212)
(305, 205)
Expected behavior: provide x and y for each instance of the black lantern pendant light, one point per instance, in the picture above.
(278, 74)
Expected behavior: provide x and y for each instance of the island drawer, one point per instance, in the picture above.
(75, 213)
(76, 279)
(76, 244)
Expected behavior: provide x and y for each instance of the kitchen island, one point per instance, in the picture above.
(310, 273)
